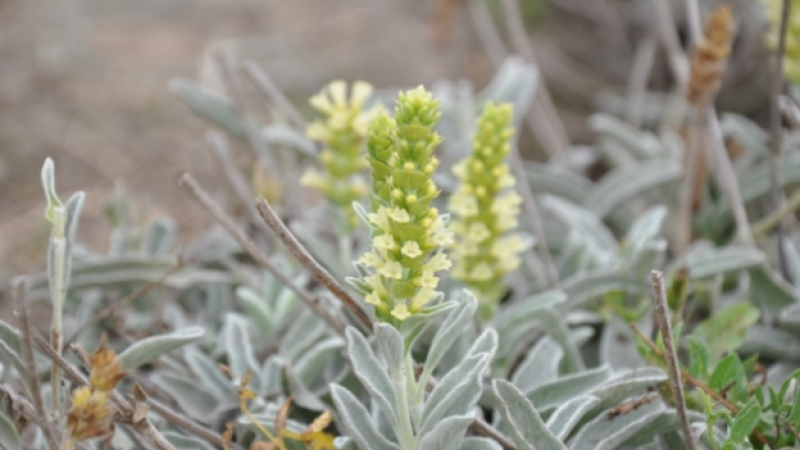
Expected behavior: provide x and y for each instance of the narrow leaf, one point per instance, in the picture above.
(152, 348)
(356, 421)
(526, 426)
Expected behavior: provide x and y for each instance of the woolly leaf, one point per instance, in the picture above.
(526, 426)
(356, 421)
(447, 435)
(369, 371)
(150, 349)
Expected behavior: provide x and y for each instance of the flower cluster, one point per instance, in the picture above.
(408, 234)
(343, 132)
(91, 414)
(791, 57)
(485, 210)
(710, 57)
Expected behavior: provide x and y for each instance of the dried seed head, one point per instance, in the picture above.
(90, 416)
(106, 368)
(710, 56)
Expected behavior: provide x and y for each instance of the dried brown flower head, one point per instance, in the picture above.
(91, 415)
(106, 368)
(710, 56)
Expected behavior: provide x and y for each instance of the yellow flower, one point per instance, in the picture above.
(392, 269)
(400, 312)
(411, 249)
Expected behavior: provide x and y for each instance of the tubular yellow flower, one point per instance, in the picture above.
(791, 58)
(408, 233)
(343, 132)
(484, 210)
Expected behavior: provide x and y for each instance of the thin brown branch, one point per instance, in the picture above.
(306, 260)
(227, 222)
(671, 357)
(543, 117)
(776, 138)
(109, 310)
(694, 382)
(481, 427)
(30, 364)
(265, 84)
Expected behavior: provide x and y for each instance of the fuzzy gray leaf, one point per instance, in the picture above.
(634, 382)
(588, 223)
(208, 104)
(478, 443)
(369, 371)
(606, 433)
(558, 181)
(412, 327)
(558, 330)
(771, 343)
(159, 236)
(551, 395)
(540, 365)
(207, 371)
(447, 435)
(770, 291)
(391, 344)
(150, 349)
(626, 182)
(310, 364)
(456, 394)
(447, 334)
(356, 421)
(567, 416)
(284, 136)
(704, 261)
(526, 426)
(195, 402)
(256, 308)
(306, 330)
(238, 345)
(585, 286)
(183, 442)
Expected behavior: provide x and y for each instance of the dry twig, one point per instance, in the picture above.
(227, 222)
(273, 93)
(671, 357)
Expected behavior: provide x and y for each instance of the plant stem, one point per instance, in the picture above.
(57, 263)
(671, 357)
(320, 273)
(766, 224)
(227, 222)
(404, 426)
(30, 364)
(775, 138)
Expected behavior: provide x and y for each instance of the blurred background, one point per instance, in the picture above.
(86, 82)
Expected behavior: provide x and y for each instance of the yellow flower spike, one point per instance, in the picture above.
(407, 232)
(343, 131)
(483, 211)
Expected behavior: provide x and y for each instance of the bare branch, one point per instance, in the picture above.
(273, 93)
(671, 357)
(30, 364)
(320, 273)
(227, 222)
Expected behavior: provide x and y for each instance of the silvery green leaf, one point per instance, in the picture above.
(755, 182)
(150, 349)
(645, 229)
(49, 184)
(8, 356)
(447, 434)
(285, 136)
(300, 393)
(566, 417)
(606, 433)
(195, 402)
(362, 214)
(183, 442)
(456, 394)
(448, 332)
(311, 363)
(526, 426)
(412, 327)
(486, 344)
(579, 218)
(618, 346)
(306, 330)
(539, 366)
(357, 423)
(391, 345)
(478, 443)
(73, 208)
(358, 285)
(551, 395)
(256, 308)
(238, 345)
(706, 261)
(770, 291)
(792, 258)
(521, 312)
(641, 145)
(771, 343)
(622, 386)
(623, 183)
(209, 104)
(9, 438)
(585, 286)
(270, 374)
(344, 443)
(159, 236)
(208, 372)
(10, 336)
(549, 179)
(369, 371)
(558, 330)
